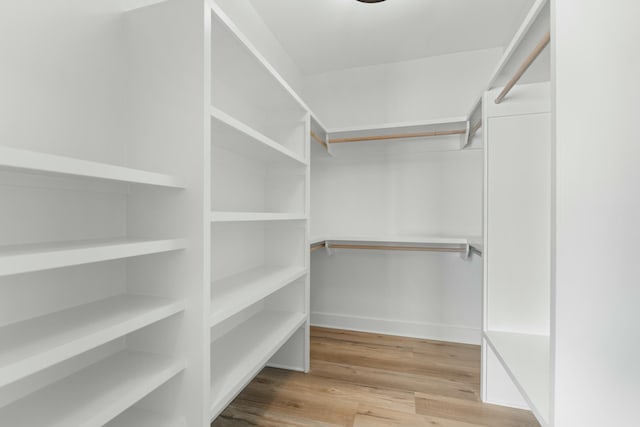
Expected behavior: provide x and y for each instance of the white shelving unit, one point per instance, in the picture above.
(99, 299)
(517, 288)
(95, 395)
(259, 192)
(236, 361)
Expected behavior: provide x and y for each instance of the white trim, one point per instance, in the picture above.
(430, 331)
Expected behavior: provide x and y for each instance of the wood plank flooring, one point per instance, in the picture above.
(371, 380)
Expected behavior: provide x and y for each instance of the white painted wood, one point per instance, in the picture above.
(95, 395)
(518, 45)
(501, 384)
(42, 163)
(259, 193)
(235, 293)
(27, 258)
(236, 136)
(141, 418)
(526, 359)
(32, 345)
(240, 354)
(254, 216)
(518, 203)
(596, 206)
(447, 123)
(516, 286)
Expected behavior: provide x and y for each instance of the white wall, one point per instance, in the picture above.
(61, 61)
(370, 191)
(428, 88)
(596, 210)
(253, 27)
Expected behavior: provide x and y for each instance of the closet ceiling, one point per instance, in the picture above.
(325, 35)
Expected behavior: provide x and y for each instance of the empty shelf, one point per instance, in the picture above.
(16, 259)
(95, 395)
(134, 417)
(233, 135)
(526, 359)
(32, 345)
(235, 293)
(255, 216)
(240, 354)
(42, 163)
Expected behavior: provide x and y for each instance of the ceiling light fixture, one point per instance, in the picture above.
(370, 1)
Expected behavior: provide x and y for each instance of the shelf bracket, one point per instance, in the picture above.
(467, 252)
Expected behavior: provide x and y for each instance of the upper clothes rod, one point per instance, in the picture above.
(525, 66)
(399, 136)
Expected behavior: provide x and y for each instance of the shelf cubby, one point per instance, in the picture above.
(241, 353)
(35, 344)
(15, 259)
(526, 359)
(94, 395)
(243, 183)
(235, 293)
(244, 86)
(238, 247)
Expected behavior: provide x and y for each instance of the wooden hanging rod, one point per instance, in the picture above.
(475, 128)
(318, 139)
(525, 66)
(399, 136)
(397, 248)
(317, 246)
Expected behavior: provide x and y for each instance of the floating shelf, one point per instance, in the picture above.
(233, 294)
(16, 259)
(236, 361)
(395, 131)
(32, 345)
(446, 244)
(42, 163)
(526, 358)
(255, 216)
(95, 395)
(233, 135)
(134, 417)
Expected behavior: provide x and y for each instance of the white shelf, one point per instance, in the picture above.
(437, 125)
(414, 241)
(233, 135)
(254, 216)
(32, 161)
(240, 354)
(140, 418)
(233, 294)
(95, 395)
(16, 259)
(32, 345)
(526, 359)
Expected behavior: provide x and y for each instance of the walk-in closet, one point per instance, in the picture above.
(319, 213)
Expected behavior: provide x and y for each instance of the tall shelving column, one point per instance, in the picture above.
(517, 269)
(259, 202)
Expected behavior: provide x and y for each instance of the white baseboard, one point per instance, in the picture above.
(430, 331)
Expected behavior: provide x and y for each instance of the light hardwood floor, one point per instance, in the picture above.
(371, 380)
